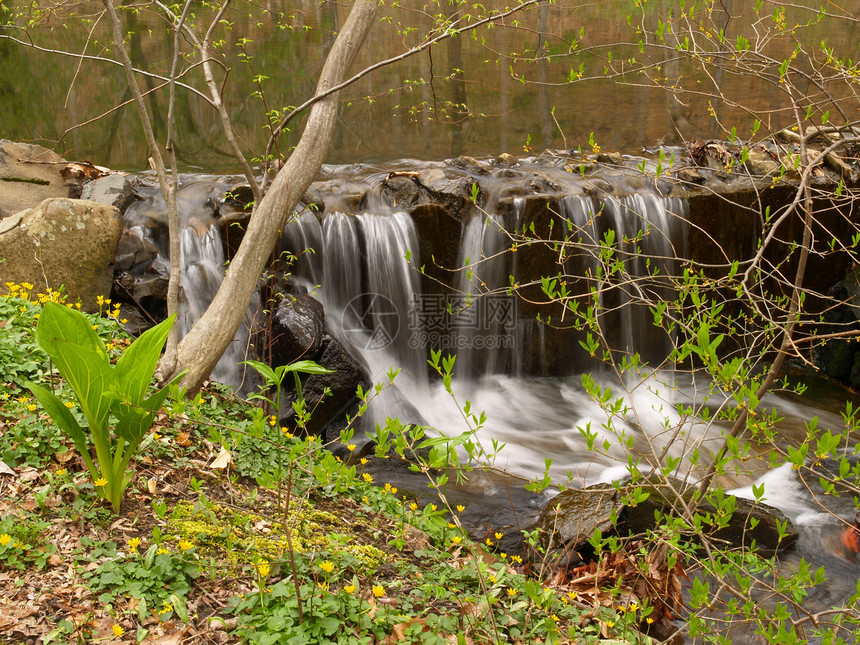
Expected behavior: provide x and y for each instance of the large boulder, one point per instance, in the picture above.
(30, 174)
(70, 242)
(297, 331)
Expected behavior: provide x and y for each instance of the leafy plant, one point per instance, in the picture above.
(104, 392)
(23, 545)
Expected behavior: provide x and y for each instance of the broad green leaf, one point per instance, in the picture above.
(265, 371)
(65, 420)
(135, 368)
(88, 377)
(57, 321)
(307, 367)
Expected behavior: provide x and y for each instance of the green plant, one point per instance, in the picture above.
(23, 544)
(103, 390)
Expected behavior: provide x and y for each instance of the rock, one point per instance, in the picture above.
(761, 163)
(330, 396)
(133, 254)
(839, 358)
(453, 193)
(297, 330)
(470, 165)
(690, 175)
(402, 191)
(610, 158)
(113, 190)
(572, 516)
(30, 174)
(739, 530)
(68, 242)
(506, 159)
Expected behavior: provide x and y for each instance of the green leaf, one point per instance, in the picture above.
(57, 321)
(89, 377)
(136, 366)
(308, 367)
(65, 420)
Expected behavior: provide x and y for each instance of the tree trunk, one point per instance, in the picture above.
(201, 349)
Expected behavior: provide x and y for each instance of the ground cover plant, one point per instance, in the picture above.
(211, 549)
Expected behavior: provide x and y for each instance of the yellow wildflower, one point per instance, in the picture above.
(263, 568)
(133, 543)
(367, 477)
(31, 407)
(456, 539)
(363, 461)
(413, 506)
(101, 481)
(378, 591)
(184, 544)
(351, 447)
(5, 539)
(512, 592)
(349, 588)
(118, 630)
(61, 472)
(69, 404)
(327, 566)
(460, 508)
(498, 536)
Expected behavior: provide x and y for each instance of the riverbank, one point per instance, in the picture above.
(211, 546)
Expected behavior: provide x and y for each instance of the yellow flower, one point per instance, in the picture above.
(460, 508)
(634, 606)
(100, 300)
(413, 506)
(512, 592)
(451, 526)
(118, 630)
(101, 481)
(273, 420)
(456, 539)
(351, 447)
(133, 543)
(517, 559)
(649, 620)
(498, 536)
(184, 544)
(367, 477)
(327, 566)
(5, 539)
(387, 487)
(432, 507)
(162, 551)
(503, 555)
(323, 586)
(394, 490)
(61, 472)
(492, 578)
(555, 618)
(610, 624)
(166, 607)
(489, 542)
(263, 568)
(363, 461)
(31, 407)
(286, 432)
(27, 286)
(349, 588)
(572, 595)
(378, 591)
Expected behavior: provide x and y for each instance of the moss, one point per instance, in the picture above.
(245, 537)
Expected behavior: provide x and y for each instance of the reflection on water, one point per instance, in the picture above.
(465, 97)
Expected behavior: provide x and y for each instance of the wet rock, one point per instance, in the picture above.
(840, 358)
(571, 517)
(470, 165)
(750, 521)
(690, 175)
(30, 174)
(62, 241)
(151, 287)
(506, 159)
(331, 396)
(114, 190)
(453, 193)
(297, 330)
(134, 254)
(402, 191)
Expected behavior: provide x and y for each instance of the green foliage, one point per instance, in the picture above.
(103, 390)
(23, 545)
(159, 578)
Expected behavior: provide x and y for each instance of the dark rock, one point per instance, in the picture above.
(738, 530)
(839, 358)
(506, 159)
(453, 193)
(297, 330)
(331, 396)
(150, 287)
(134, 254)
(690, 175)
(402, 191)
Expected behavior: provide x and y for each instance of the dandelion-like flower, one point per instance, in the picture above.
(367, 477)
(456, 539)
(184, 544)
(512, 592)
(503, 555)
(61, 472)
(460, 508)
(5, 539)
(31, 407)
(69, 404)
(364, 461)
(133, 543)
(349, 589)
(378, 591)
(118, 630)
(264, 568)
(351, 447)
(101, 481)
(413, 506)
(327, 566)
